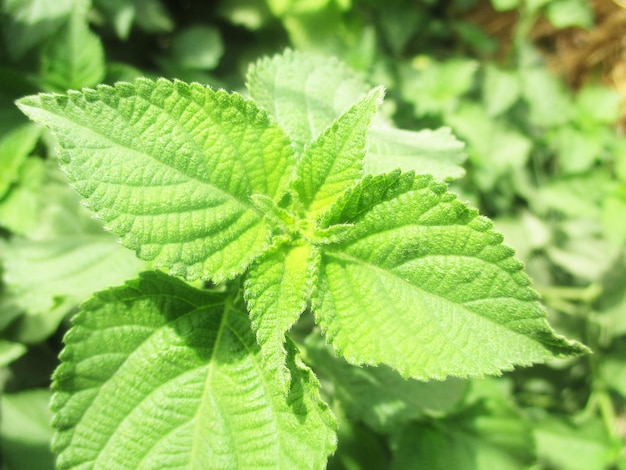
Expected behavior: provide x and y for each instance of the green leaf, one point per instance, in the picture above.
(421, 283)
(25, 430)
(59, 212)
(14, 148)
(9, 311)
(495, 149)
(500, 90)
(548, 101)
(177, 375)
(73, 57)
(504, 5)
(613, 217)
(334, 161)
(10, 351)
(68, 269)
(399, 24)
(575, 196)
(429, 152)
(379, 396)
(277, 290)
(483, 436)
(250, 14)
(36, 328)
(33, 21)
(525, 232)
(197, 47)
(586, 257)
(534, 5)
(42, 206)
(284, 7)
(325, 31)
(149, 15)
(152, 16)
(586, 447)
(358, 448)
(568, 13)
(170, 167)
(121, 13)
(598, 104)
(305, 93)
(12, 86)
(613, 371)
(65, 255)
(20, 208)
(436, 87)
(577, 150)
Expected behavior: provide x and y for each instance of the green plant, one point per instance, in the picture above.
(553, 184)
(276, 205)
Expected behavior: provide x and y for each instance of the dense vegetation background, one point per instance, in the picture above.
(535, 89)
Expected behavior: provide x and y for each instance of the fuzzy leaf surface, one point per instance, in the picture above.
(277, 289)
(179, 383)
(423, 284)
(334, 161)
(170, 167)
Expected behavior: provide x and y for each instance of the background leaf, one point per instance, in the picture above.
(568, 13)
(32, 21)
(10, 351)
(150, 15)
(426, 152)
(65, 255)
(197, 47)
(25, 430)
(572, 447)
(14, 148)
(379, 396)
(489, 433)
(73, 57)
(437, 86)
(501, 89)
(547, 99)
(304, 92)
(43, 274)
